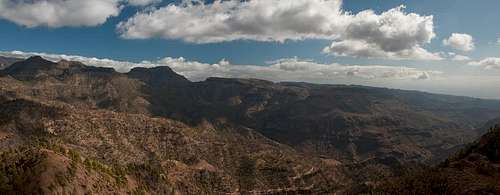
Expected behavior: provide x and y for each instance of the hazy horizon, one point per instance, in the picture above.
(446, 47)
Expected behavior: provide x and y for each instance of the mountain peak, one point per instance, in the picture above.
(29, 68)
(159, 75)
(37, 60)
(153, 70)
(38, 67)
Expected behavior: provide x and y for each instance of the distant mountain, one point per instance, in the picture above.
(6, 61)
(246, 134)
(37, 68)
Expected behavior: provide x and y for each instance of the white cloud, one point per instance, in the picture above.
(362, 49)
(291, 69)
(498, 41)
(487, 63)
(59, 13)
(463, 42)
(458, 57)
(142, 2)
(261, 20)
(394, 33)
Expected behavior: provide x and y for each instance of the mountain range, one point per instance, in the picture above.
(67, 127)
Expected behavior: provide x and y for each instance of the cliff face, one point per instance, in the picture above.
(153, 130)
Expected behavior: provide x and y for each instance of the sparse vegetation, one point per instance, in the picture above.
(18, 167)
(116, 172)
(471, 171)
(246, 174)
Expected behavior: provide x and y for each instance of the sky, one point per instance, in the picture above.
(445, 46)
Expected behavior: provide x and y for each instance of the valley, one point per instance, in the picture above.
(68, 127)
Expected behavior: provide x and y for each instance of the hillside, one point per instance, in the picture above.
(474, 170)
(352, 123)
(57, 148)
(349, 123)
(153, 130)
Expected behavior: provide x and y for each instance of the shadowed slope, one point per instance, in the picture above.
(474, 170)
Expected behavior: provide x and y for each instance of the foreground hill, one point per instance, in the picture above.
(474, 170)
(59, 149)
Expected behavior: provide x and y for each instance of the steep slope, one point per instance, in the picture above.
(64, 148)
(164, 90)
(475, 170)
(36, 170)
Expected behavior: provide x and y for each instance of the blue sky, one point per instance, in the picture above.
(470, 17)
(103, 40)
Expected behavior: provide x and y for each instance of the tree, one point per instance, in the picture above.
(246, 174)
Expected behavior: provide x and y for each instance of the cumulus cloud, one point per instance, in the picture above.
(487, 63)
(59, 13)
(261, 20)
(362, 49)
(391, 34)
(462, 42)
(290, 69)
